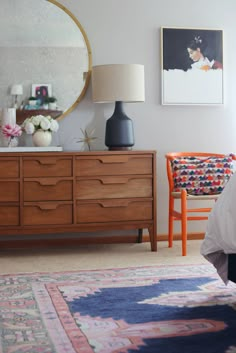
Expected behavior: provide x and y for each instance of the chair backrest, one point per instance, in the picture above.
(227, 171)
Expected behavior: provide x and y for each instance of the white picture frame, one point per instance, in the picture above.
(186, 80)
(41, 91)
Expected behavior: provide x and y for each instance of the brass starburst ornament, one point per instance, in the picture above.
(87, 138)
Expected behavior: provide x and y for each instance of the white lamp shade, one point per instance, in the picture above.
(118, 82)
(17, 90)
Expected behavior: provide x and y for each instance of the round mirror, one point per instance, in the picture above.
(45, 54)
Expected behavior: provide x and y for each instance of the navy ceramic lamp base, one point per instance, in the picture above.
(119, 130)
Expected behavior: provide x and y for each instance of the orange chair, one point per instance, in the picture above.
(176, 161)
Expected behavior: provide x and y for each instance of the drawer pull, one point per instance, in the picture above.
(47, 182)
(118, 203)
(48, 207)
(47, 161)
(112, 160)
(114, 180)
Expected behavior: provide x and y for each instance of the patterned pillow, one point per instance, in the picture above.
(202, 175)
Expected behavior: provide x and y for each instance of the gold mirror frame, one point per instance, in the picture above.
(88, 75)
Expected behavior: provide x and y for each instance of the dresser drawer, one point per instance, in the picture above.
(113, 165)
(113, 210)
(9, 191)
(42, 213)
(46, 189)
(9, 168)
(9, 215)
(47, 167)
(113, 187)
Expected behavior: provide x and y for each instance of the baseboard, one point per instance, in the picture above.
(71, 242)
(191, 236)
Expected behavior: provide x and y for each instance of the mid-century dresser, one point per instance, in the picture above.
(59, 192)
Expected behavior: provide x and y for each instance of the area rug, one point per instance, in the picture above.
(161, 309)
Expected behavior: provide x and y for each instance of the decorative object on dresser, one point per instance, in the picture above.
(87, 139)
(11, 134)
(8, 117)
(41, 91)
(32, 101)
(16, 90)
(41, 128)
(42, 138)
(61, 192)
(51, 102)
(118, 83)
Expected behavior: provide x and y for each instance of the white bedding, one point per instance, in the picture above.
(220, 238)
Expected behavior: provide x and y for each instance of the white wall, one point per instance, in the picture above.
(128, 31)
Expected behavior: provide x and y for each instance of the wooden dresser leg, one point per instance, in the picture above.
(153, 238)
(140, 235)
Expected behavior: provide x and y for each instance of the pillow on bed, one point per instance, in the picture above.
(202, 175)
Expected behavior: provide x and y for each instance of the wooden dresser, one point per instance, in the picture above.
(58, 192)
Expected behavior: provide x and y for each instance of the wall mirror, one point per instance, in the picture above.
(45, 50)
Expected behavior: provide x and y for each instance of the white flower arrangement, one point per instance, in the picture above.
(40, 122)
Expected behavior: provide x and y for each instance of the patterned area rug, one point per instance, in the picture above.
(170, 309)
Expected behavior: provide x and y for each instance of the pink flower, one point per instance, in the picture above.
(11, 130)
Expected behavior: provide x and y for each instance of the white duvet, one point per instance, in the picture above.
(220, 238)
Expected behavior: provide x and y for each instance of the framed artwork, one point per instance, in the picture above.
(192, 66)
(41, 91)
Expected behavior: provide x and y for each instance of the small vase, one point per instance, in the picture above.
(42, 138)
(13, 141)
(52, 105)
(45, 106)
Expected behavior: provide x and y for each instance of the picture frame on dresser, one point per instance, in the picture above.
(192, 66)
(41, 91)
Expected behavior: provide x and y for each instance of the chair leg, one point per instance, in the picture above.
(171, 222)
(184, 222)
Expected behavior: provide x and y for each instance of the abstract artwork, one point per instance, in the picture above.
(41, 91)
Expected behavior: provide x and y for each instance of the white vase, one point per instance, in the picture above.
(52, 105)
(33, 102)
(8, 116)
(42, 138)
(45, 106)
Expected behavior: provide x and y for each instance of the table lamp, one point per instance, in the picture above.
(118, 83)
(16, 90)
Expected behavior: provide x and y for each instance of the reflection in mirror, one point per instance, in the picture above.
(42, 45)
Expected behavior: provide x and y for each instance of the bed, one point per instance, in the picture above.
(219, 244)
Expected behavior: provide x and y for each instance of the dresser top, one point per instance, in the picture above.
(45, 151)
